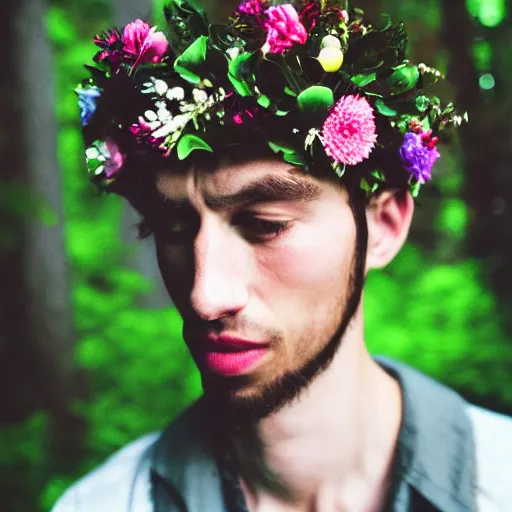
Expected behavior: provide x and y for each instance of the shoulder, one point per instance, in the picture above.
(493, 448)
(122, 480)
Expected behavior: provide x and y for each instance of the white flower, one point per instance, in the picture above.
(199, 96)
(173, 125)
(161, 87)
(233, 52)
(92, 153)
(176, 93)
(150, 115)
(148, 87)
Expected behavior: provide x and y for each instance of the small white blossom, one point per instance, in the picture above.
(161, 87)
(176, 93)
(199, 96)
(149, 87)
(150, 115)
(92, 152)
(165, 130)
(233, 52)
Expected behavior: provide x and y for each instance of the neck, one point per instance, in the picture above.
(332, 446)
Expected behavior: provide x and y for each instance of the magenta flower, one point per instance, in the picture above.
(284, 28)
(349, 132)
(110, 44)
(251, 7)
(114, 159)
(143, 132)
(418, 153)
(107, 39)
(143, 42)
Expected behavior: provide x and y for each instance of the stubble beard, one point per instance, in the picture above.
(225, 397)
(232, 412)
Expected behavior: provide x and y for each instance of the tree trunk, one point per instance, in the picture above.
(37, 336)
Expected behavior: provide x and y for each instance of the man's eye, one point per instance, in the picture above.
(261, 228)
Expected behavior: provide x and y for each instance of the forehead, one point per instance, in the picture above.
(232, 175)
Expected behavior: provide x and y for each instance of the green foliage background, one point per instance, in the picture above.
(430, 308)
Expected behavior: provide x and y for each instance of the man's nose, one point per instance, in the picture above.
(221, 273)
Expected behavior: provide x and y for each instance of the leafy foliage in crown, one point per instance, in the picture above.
(314, 81)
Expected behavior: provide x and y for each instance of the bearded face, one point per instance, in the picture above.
(262, 262)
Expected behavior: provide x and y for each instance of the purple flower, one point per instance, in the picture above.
(87, 102)
(418, 155)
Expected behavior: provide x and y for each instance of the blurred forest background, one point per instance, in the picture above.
(90, 351)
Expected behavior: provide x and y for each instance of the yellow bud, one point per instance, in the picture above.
(330, 41)
(330, 59)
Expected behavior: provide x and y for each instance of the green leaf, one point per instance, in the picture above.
(186, 21)
(264, 101)
(191, 60)
(363, 80)
(365, 185)
(238, 66)
(415, 188)
(384, 109)
(316, 98)
(422, 103)
(403, 79)
(189, 143)
(240, 86)
(288, 91)
(290, 154)
(378, 175)
(277, 147)
(294, 159)
(339, 169)
(237, 73)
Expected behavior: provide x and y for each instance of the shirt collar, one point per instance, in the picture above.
(435, 453)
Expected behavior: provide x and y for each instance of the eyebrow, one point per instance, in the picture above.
(270, 188)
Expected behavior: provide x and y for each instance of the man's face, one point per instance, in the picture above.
(258, 258)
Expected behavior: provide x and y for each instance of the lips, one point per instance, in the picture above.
(230, 356)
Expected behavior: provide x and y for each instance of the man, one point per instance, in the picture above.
(275, 160)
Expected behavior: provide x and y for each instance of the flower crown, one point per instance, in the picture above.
(314, 81)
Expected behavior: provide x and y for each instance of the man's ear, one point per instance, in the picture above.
(389, 218)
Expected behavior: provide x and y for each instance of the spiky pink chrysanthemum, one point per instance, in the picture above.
(349, 132)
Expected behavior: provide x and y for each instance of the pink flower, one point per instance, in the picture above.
(284, 28)
(114, 159)
(143, 132)
(251, 7)
(110, 44)
(107, 39)
(143, 42)
(348, 133)
(344, 15)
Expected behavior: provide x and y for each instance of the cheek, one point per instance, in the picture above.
(308, 263)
